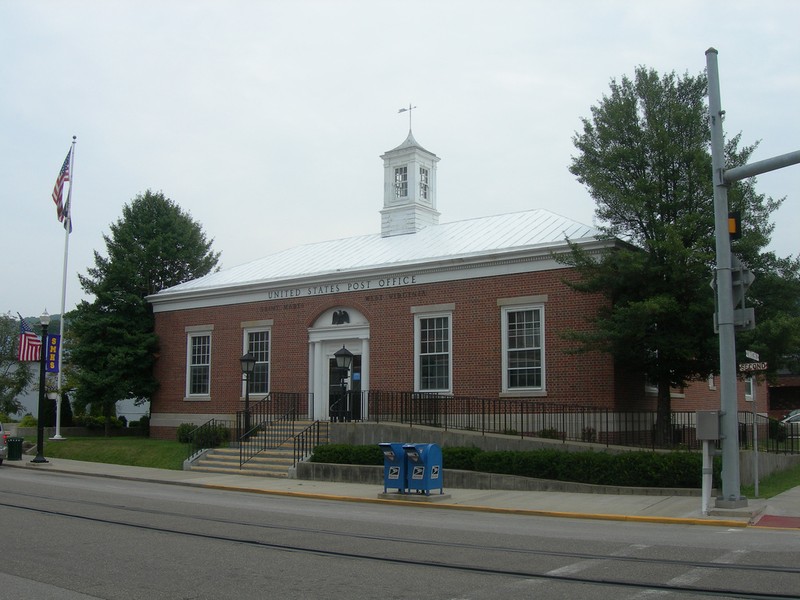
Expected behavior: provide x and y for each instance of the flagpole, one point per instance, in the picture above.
(67, 229)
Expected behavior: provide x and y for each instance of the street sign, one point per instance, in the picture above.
(751, 355)
(753, 366)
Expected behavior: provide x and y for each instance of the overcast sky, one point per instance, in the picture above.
(265, 120)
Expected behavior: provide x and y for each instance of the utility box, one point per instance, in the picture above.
(395, 466)
(707, 425)
(424, 468)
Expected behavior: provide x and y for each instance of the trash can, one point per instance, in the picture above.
(424, 468)
(394, 466)
(14, 448)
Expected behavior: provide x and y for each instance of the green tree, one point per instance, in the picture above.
(15, 376)
(775, 295)
(153, 246)
(645, 158)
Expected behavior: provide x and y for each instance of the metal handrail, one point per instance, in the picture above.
(308, 439)
(267, 424)
(210, 431)
(530, 417)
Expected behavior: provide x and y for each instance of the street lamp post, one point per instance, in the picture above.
(248, 362)
(344, 358)
(45, 321)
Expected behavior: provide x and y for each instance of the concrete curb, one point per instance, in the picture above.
(494, 509)
(448, 506)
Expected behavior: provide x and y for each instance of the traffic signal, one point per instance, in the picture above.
(735, 224)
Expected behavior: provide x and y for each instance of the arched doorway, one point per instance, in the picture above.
(336, 327)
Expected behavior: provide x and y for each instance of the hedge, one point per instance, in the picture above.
(635, 468)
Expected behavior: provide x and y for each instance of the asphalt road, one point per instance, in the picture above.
(76, 537)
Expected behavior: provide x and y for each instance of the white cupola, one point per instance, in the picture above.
(409, 189)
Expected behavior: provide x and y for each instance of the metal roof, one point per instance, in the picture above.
(474, 239)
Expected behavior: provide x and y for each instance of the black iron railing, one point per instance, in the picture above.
(272, 422)
(526, 417)
(211, 434)
(309, 438)
(268, 424)
(770, 434)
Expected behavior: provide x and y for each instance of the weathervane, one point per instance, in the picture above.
(408, 110)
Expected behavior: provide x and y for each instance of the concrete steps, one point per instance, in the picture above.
(268, 463)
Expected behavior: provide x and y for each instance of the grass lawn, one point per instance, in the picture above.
(774, 484)
(135, 451)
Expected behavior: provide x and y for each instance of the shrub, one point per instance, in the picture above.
(207, 436)
(542, 464)
(777, 431)
(459, 458)
(183, 431)
(28, 421)
(634, 468)
(366, 455)
(587, 467)
(211, 436)
(95, 423)
(343, 454)
(143, 424)
(501, 461)
(551, 434)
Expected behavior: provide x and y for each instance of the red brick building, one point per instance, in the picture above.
(471, 308)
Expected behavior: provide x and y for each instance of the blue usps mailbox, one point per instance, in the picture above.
(394, 466)
(424, 468)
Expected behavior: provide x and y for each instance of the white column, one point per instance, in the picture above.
(318, 367)
(364, 376)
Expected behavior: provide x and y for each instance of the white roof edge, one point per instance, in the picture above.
(448, 264)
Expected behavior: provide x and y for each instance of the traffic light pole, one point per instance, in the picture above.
(729, 423)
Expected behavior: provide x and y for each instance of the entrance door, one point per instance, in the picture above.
(344, 393)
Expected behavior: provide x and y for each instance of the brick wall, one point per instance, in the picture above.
(584, 379)
(581, 379)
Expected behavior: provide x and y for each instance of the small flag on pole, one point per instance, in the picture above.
(62, 209)
(30, 344)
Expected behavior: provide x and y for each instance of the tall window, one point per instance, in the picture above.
(523, 348)
(433, 353)
(748, 388)
(423, 183)
(401, 182)
(199, 365)
(257, 343)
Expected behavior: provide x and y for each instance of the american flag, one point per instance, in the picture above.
(30, 345)
(58, 192)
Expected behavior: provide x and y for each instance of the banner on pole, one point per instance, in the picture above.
(53, 348)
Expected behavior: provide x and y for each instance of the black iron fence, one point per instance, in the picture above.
(315, 434)
(533, 418)
(213, 433)
(268, 423)
(272, 422)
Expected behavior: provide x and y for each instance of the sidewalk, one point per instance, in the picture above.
(782, 511)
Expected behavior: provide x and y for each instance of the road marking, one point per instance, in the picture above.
(694, 575)
(582, 565)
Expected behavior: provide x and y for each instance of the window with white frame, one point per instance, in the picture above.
(198, 361)
(748, 388)
(423, 183)
(401, 182)
(523, 348)
(433, 352)
(257, 344)
(712, 385)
